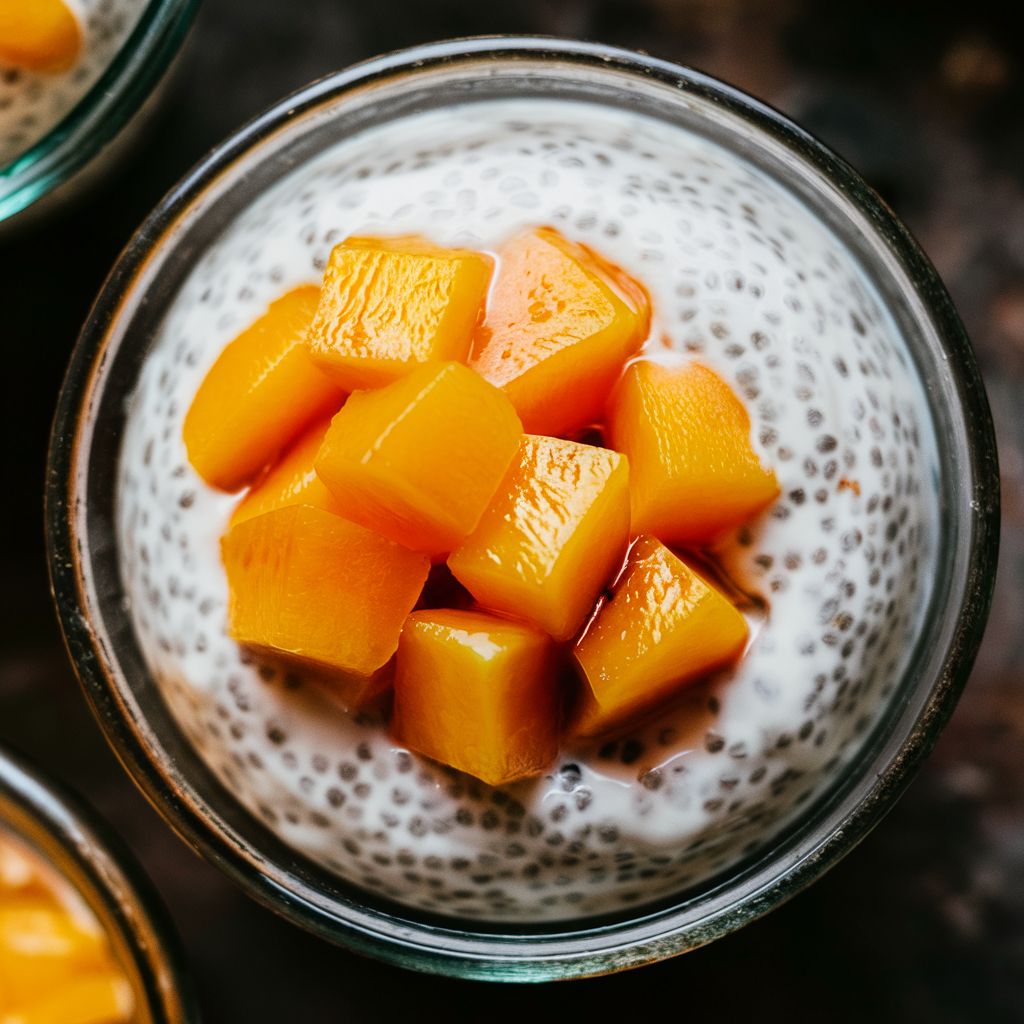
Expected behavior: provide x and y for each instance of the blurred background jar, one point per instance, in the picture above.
(83, 937)
(78, 79)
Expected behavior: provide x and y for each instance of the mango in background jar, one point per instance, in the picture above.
(56, 965)
(40, 35)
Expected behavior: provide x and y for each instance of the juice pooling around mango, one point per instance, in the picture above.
(741, 277)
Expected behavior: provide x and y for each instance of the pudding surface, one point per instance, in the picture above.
(743, 277)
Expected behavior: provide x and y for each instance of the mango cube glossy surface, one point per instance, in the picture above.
(554, 535)
(309, 585)
(258, 396)
(478, 693)
(419, 460)
(664, 626)
(390, 304)
(561, 321)
(693, 471)
(292, 480)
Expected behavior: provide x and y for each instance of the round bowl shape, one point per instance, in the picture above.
(97, 118)
(85, 558)
(68, 836)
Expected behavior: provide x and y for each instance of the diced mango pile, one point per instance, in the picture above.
(421, 412)
(55, 965)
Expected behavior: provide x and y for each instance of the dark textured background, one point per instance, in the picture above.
(925, 921)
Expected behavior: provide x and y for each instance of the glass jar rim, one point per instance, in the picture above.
(282, 879)
(98, 116)
(58, 826)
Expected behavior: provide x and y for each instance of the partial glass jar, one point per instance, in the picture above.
(125, 55)
(86, 556)
(41, 822)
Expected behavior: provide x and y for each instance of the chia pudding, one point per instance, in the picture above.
(742, 276)
(34, 102)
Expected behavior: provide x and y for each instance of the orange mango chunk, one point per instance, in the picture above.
(312, 586)
(292, 480)
(40, 35)
(420, 459)
(554, 535)
(478, 693)
(258, 396)
(102, 998)
(664, 626)
(693, 470)
(390, 304)
(561, 321)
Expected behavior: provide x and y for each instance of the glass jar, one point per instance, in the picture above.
(85, 449)
(69, 839)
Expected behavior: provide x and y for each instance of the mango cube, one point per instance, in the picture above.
(292, 480)
(40, 35)
(389, 304)
(56, 965)
(693, 470)
(40, 944)
(664, 626)
(104, 997)
(258, 396)
(420, 459)
(561, 321)
(478, 693)
(554, 535)
(310, 585)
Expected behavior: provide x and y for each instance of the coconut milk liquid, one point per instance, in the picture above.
(742, 276)
(31, 103)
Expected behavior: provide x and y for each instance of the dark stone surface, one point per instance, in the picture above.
(925, 921)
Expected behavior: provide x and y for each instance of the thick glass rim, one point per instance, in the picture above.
(103, 111)
(165, 767)
(67, 834)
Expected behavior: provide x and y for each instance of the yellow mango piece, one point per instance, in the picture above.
(290, 481)
(693, 470)
(419, 460)
(664, 626)
(478, 693)
(102, 998)
(561, 321)
(42, 928)
(40, 35)
(554, 535)
(390, 304)
(42, 945)
(309, 585)
(262, 391)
